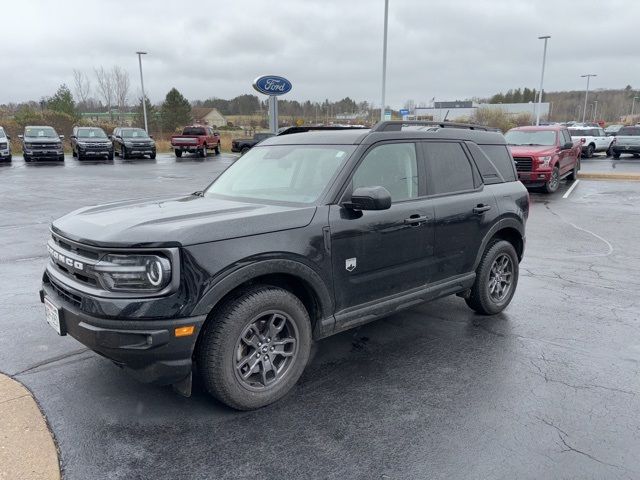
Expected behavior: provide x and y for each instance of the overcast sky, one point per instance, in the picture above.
(451, 49)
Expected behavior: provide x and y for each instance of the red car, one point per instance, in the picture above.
(544, 155)
(197, 139)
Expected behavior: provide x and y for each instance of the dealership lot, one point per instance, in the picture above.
(548, 389)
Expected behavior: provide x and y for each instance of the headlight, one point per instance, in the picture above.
(544, 161)
(28, 145)
(82, 144)
(128, 144)
(133, 272)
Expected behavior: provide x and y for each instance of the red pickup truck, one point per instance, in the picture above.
(544, 155)
(197, 139)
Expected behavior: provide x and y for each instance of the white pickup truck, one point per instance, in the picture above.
(594, 139)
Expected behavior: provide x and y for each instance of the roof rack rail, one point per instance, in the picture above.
(309, 128)
(396, 125)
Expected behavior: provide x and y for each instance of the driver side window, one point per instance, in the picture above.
(392, 166)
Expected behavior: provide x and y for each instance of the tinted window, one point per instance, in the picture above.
(566, 136)
(449, 168)
(193, 131)
(392, 166)
(583, 132)
(501, 159)
(629, 131)
(531, 137)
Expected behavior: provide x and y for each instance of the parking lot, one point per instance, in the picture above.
(547, 389)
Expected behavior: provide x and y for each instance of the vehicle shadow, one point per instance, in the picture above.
(95, 162)
(43, 164)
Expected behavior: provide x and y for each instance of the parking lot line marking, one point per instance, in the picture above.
(570, 189)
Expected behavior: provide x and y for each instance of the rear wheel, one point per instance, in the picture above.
(203, 151)
(178, 152)
(554, 182)
(496, 279)
(217, 149)
(574, 173)
(616, 155)
(589, 151)
(254, 349)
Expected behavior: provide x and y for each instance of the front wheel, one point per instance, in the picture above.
(254, 349)
(496, 279)
(554, 182)
(589, 152)
(123, 153)
(153, 156)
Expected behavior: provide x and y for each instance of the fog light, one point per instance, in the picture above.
(184, 331)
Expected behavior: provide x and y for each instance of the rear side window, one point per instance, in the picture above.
(501, 159)
(448, 168)
(567, 136)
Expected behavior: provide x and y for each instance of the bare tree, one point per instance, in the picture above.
(121, 86)
(105, 87)
(82, 86)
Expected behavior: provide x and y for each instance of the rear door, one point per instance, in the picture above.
(383, 253)
(464, 208)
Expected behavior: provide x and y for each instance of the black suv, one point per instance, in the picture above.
(243, 145)
(41, 143)
(306, 235)
(131, 142)
(90, 142)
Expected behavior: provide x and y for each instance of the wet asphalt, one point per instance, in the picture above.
(548, 389)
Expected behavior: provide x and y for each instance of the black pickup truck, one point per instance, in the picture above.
(307, 235)
(243, 145)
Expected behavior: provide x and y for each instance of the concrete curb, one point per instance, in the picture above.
(609, 176)
(27, 449)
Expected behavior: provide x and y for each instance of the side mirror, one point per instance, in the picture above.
(151, 136)
(567, 146)
(370, 198)
(8, 137)
(217, 134)
(61, 137)
(110, 137)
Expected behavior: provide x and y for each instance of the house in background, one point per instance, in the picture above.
(208, 116)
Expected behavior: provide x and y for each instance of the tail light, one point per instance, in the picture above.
(583, 140)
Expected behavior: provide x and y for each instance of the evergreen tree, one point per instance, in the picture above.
(62, 101)
(152, 116)
(175, 111)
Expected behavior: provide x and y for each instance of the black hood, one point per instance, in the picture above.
(177, 221)
(42, 139)
(94, 140)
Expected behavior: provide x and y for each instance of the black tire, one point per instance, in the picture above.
(79, 156)
(203, 151)
(554, 182)
(481, 298)
(178, 152)
(216, 150)
(123, 153)
(610, 151)
(110, 156)
(26, 159)
(635, 155)
(244, 150)
(73, 153)
(574, 173)
(224, 351)
(590, 150)
(153, 156)
(61, 158)
(616, 155)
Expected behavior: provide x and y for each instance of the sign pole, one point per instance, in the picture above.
(273, 114)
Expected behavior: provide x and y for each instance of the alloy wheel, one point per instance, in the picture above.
(500, 278)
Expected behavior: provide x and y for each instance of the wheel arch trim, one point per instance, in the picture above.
(511, 223)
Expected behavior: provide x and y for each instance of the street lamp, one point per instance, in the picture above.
(384, 58)
(144, 97)
(544, 59)
(633, 104)
(586, 95)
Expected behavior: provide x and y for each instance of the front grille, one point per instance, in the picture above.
(523, 164)
(64, 293)
(45, 146)
(74, 260)
(3, 146)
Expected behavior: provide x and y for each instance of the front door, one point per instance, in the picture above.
(377, 254)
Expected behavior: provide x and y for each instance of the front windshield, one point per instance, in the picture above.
(134, 133)
(531, 137)
(282, 173)
(2, 135)
(42, 132)
(91, 133)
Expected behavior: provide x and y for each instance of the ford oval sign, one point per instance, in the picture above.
(272, 85)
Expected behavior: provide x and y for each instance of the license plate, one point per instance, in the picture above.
(52, 314)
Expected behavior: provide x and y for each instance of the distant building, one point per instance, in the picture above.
(208, 116)
(467, 109)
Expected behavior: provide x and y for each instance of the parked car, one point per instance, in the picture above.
(129, 142)
(41, 142)
(306, 235)
(90, 142)
(196, 139)
(243, 145)
(627, 141)
(612, 130)
(5, 146)
(544, 155)
(594, 139)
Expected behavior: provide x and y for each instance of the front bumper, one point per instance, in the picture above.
(95, 151)
(147, 349)
(537, 178)
(43, 153)
(187, 148)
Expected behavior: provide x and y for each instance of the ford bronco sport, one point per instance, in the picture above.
(306, 235)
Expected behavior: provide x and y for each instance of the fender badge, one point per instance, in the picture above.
(350, 264)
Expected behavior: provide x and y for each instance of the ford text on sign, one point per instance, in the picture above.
(272, 85)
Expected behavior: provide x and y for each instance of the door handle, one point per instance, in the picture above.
(480, 209)
(416, 220)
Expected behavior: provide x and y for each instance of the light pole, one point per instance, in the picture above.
(595, 109)
(384, 59)
(633, 104)
(586, 95)
(144, 97)
(544, 59)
